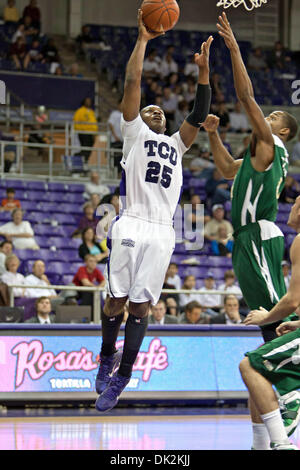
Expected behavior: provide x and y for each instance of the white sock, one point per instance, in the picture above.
(261, 438)
(275, 427)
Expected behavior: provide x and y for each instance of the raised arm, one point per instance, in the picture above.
(132, 88)
(264, 154)
(227, 166)
(191, 125)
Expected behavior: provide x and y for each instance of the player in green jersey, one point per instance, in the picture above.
(258, 181)
(277, 362)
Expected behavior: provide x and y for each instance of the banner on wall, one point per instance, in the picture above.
(165, 363)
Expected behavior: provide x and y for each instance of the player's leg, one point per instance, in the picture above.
(261, 438)
(265, 401)
(135, 330)
(257, 265)
(110, 357)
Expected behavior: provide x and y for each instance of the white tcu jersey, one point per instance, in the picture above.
(152, 177)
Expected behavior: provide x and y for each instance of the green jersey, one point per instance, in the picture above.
(255, 194)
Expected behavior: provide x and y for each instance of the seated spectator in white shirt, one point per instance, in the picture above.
(168, 65)
(191, 69)
(95, 187)
(39, 278)
(229, 285)
(151, 66)
(114, 124)
(211, 228)
(238, 120)
(172, 277)
(286, 273)
(5, 250)
(211, 303)
(159, 316)
(43, 312)
(231, 314)
(19, 232)
(12, 277)
(189, 283)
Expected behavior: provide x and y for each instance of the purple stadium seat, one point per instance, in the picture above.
(64, 219)
(36, 196)
(282, 217)
(75, 188)
(48, 230)
(55, 197)
(67, 279)
(57, 267)
(5, 217)
(57, 187)
(31, 206)
(74, 198)
(28, 304)
(219, 261)
(197, 183)
(227, 206)
(50, 207)
(36, 186)
(43, 242)
(70, 209)
(16, 184)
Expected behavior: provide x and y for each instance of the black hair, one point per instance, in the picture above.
(10, 190)
(292, 124)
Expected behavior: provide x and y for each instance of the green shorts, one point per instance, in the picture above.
(279, 362)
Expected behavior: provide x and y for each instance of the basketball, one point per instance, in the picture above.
(160, 15)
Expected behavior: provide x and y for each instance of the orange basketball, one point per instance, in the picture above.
(160, 14)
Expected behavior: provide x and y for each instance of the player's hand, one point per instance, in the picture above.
(143, 31)
(202, 60)
(226, 32)
(256, 317)
(287, 327)
(211, 123)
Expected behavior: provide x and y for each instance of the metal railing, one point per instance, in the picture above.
(97, 294)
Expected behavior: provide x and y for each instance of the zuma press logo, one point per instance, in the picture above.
(2, 92)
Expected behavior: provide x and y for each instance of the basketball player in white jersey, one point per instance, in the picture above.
(142, 238)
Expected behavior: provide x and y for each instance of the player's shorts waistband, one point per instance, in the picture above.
(267, 229)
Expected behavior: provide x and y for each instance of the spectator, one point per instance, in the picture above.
(39, 278)
(19, 54)
(189, 283)
(6, 248)
(290, 190)
(286, 273)
(231, 314)
(202, 166)
(95, 201)
(217, 189)
(257, 60)
(74, 71)
(217, 92)
(211, 228)
(223, 114)
(87, 221)
(193, 216)
(116, 139)
(10, 203)
(88, 276)
(30, 32)
(226, 144)
(43, 312)
(243, 148)
(194, 315)
(168, 64)
(91, 246)
(295, 160)
(11, 14)
(151, 67)
(85, 122)
(9, 150)
(95, 186)
(172, 307)
(50, 53)
(191, 69)
(211, 303)
(12, 277)
(34, 52)
(159, 314)
(37, 136)
(172, 277)
(229, 285)
(238, 120)
(33, 11)
(84, 39)
(181, 113)
(280, 57)
(19, 232)
(223, 245)
(169, 105)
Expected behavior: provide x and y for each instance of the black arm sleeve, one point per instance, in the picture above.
(201, 106)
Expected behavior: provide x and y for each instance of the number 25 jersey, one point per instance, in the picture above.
(152, 172)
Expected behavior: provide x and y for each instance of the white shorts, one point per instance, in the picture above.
(140, 253)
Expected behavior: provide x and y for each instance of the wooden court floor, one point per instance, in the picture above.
(185, 431)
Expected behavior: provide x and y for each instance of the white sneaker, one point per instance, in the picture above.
(290, 446)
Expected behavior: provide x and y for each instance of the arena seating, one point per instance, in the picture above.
(271, 88)
(55, 208)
